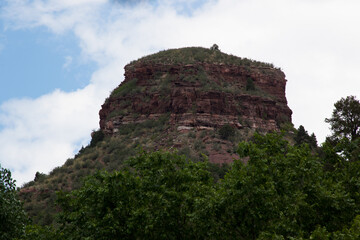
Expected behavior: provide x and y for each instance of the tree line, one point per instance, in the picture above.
(274, 190)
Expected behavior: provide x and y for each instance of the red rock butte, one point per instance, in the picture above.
(201, 89)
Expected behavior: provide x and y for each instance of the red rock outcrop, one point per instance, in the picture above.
(200, 95)
(191, 104)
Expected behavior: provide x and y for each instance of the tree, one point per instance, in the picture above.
(302, 136)
(353, 232)
(96, 136)
(226, 131)
(158, 197)
(35, 232)
(250, 86)
(214, 47)
(12, 216)
(345, 119)
(281, 193)
(39, 177)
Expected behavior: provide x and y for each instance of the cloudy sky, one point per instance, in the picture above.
(59, 60)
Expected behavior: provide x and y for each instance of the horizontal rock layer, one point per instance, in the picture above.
(207, 95)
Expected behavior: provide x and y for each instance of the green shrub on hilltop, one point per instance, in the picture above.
(191, 55)
(125, 88)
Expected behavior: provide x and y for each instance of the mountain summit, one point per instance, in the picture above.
(198, 91)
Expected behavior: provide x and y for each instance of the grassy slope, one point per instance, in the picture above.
(111, 153)
(191, 55)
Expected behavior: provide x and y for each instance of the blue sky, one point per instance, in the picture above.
(59, 60)
(35, 62)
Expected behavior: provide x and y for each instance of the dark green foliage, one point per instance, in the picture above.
(81, 151)
(39, 177)
(313, 141)
(96, 136)
(219, 171)
(226, 131)
(282, 189)
(350, 233)
(57, 170)
(214, 47)
(69, 162)
(250, 86)
(283, 192)
(302, 137)
(345, 119)
(125, 88)
(158, 198)
(35, 232)
(12, 216)
(344, 143)
(137, 129)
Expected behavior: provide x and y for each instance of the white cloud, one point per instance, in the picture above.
(42, 133)
(314, 42)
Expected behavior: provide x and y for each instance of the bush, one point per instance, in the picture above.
(198, 145)
(125, 88)
(214, 47)
(226, 131)
(96, 136)
(250, 86)
(39, 177)
(192, 135)
(69, 162)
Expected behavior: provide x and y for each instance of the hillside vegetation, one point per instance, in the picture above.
(191, 55)
(109, 153)
(283, 192)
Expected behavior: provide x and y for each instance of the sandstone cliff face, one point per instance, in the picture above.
(192, 105)
(176, 99)
(198, 96)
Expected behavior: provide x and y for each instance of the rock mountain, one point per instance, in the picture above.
(197, 90)
(199, 102)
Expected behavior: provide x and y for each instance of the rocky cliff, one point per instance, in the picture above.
(199, 102)
(198, 89)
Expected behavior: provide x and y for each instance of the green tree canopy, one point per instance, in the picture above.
(12, 216)
(302, 136)
(281, 190)
(275, 190)
(345, 119)
(158, 197)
